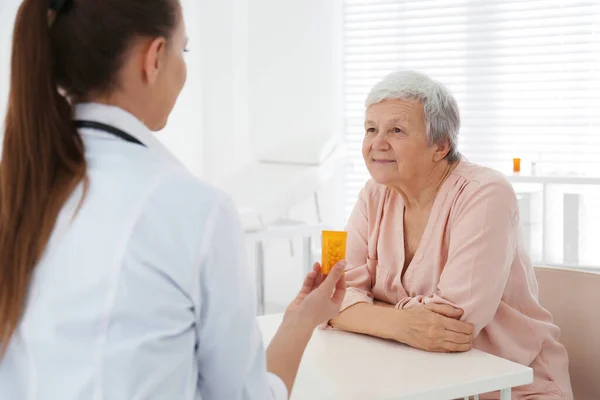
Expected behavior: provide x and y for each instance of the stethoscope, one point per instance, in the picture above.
(111, 130)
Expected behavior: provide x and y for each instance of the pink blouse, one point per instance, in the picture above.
(471, 256)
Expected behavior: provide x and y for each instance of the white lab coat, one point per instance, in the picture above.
(145, 292)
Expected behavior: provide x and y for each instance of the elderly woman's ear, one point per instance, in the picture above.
(442, 150)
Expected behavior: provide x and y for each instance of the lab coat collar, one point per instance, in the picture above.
(123, 120)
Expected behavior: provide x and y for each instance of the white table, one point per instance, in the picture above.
(345, 366)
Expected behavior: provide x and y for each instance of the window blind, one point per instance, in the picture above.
(526, 75)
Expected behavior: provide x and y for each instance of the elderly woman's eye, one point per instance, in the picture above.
(397, 130)
(370, 130)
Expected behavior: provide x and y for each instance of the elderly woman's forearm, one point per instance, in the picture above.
(370, 319)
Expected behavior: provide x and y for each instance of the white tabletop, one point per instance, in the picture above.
(346, 366)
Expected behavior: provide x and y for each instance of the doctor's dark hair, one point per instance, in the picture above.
(74, 53)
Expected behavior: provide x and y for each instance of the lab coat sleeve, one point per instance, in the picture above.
(231, 355)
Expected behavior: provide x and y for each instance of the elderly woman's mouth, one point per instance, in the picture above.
(382, 161)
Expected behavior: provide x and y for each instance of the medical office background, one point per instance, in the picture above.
(267, 76)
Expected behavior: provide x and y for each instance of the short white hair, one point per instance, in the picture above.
(442, 118)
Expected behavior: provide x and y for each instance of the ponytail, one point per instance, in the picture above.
(42, 161)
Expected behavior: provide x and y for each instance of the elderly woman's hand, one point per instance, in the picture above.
(436, 328)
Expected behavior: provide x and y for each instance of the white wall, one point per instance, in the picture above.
(184, 133)
(8, 11)
(223, 44)
(295, 73)
(270, 70)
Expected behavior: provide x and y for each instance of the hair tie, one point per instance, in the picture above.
(56, 6)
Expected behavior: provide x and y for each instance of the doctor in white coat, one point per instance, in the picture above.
(122, 277)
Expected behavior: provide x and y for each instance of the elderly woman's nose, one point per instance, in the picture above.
(380, 142)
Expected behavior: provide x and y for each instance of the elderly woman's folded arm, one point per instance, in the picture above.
(361, 314)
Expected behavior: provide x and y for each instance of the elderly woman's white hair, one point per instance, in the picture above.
(442, 117)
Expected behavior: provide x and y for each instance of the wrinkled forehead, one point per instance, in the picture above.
(407, 112)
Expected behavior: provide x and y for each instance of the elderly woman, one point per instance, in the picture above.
(435, 257)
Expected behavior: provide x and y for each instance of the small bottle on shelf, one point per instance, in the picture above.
(516, 166)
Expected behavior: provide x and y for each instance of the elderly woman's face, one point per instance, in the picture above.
(395, 147)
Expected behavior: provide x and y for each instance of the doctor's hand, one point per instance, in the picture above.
(319, 300)
(321, 296)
